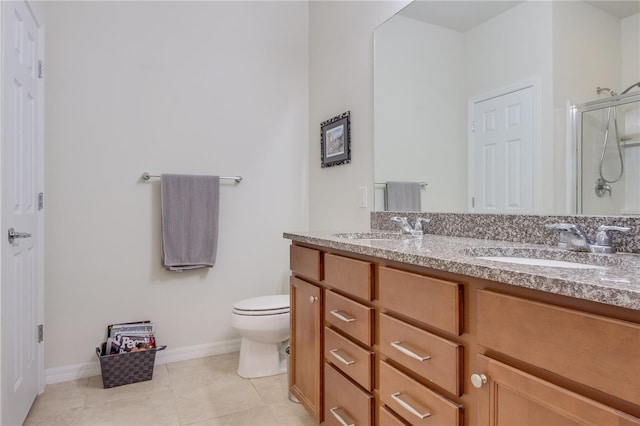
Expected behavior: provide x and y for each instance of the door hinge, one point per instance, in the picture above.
(41, 68)
(473, 202)
(40, 333)
(473, 127)
(41, 201)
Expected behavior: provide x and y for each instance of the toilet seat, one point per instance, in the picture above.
(264, 305)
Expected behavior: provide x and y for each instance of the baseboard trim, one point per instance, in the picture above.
(89, 369)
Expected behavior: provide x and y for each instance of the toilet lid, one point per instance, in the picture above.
(274, 304)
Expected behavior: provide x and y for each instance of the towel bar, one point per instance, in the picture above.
(422, 184)
(147, 176)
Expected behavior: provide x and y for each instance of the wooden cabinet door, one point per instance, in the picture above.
(305, 375)
(512, 397)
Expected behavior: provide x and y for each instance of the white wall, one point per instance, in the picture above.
(420, 112)
(630, 51)
(586, 54)
(168, 87)
(341, 79)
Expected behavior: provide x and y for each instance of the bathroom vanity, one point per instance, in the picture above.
(392, 330)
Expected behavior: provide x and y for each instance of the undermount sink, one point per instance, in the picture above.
(541, 262)
(545, 257)
(372, 235)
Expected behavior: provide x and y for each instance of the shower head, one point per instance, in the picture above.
(605, 89)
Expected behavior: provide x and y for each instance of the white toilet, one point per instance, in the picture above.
(263, 323)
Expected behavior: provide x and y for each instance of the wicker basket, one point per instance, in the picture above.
(123, 369)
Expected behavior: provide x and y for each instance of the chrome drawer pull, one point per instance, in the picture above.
(407, 407)
(407, 352)
(336, 313)
(339, 418)
(334, 352)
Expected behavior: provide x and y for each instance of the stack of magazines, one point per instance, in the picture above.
(130, 337)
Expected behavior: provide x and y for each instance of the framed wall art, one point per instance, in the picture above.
(335, 140)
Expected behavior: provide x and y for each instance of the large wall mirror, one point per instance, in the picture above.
(502, 107)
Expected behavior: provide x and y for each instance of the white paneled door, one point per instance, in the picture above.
(502, 153)
(22, 260)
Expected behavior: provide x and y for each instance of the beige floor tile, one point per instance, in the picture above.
(214, 366)
(187, 375)
(72, 389)
(54, 412)
(205, 391)
(223, 396)
(272, 389)
(59, 404)
(261, 416)
(291, 414)
(156, 408)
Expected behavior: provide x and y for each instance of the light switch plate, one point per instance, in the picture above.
(362, 197)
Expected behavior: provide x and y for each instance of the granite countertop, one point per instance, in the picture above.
(616, 283)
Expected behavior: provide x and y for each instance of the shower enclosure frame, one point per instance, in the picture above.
(575, 115)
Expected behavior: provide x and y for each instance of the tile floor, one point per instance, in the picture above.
(204, 391)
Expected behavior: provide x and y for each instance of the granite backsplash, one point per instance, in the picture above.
(515, 228)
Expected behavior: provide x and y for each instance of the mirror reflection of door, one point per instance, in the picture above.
(501, 153)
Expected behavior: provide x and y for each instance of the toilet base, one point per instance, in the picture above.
(260, 359)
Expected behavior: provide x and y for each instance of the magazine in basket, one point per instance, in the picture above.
(130, 337)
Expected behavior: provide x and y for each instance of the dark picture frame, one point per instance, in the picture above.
(335, 140)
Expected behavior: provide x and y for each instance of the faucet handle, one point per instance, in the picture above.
(607, 228)
(399, 219)
(404, 223)
(566, 227)
(421, 224)
(603, 237)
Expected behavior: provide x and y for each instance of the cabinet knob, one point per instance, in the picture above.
(313, 299)
(477, 380)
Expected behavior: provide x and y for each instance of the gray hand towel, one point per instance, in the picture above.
(189, 221)
(403, 197)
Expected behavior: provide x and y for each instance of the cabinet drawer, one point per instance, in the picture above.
(353, 318)
(306, 261)
(349, 275)
(387, 418)
(594, 350)
(344, 400)
(410, 347)
(415, 402)
(350, 358)
(429, 300)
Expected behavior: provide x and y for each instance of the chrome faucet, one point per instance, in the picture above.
(572, 237)
(416, 230)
